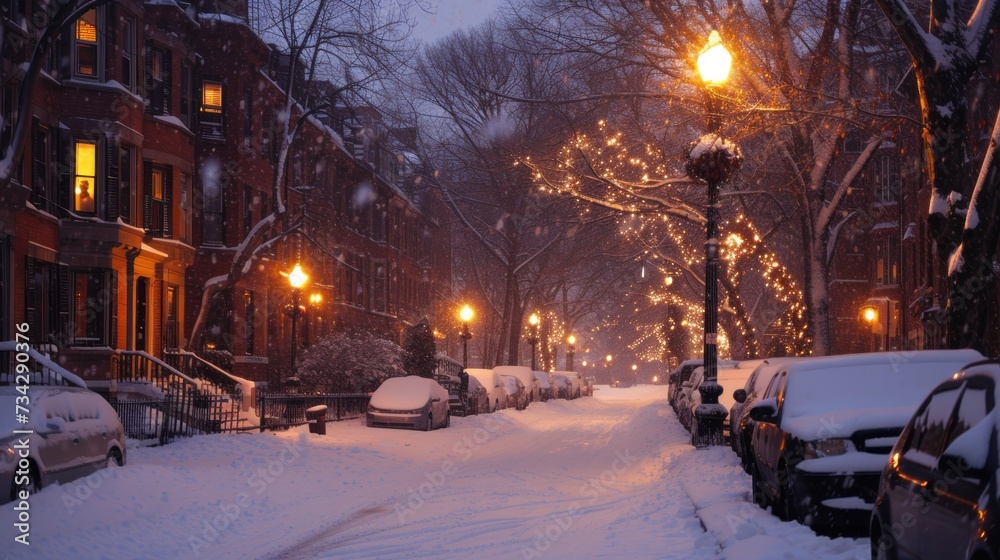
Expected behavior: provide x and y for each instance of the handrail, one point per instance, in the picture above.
(46, 363)
(167, 367)
(212, 367)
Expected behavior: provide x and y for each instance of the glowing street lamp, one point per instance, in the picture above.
(465, 315)
(611, 375)
(296, 279)
(712, 160)
(533, 337)
(571, 341)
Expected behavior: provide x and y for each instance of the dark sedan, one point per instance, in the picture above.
(825, 428)
(937, 496)
(741, 424)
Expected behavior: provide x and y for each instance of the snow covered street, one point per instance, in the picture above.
(606, 477)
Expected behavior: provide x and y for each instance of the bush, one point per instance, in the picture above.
(419, 350)
(349, 363)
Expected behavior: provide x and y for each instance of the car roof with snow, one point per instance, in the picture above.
(406, 393)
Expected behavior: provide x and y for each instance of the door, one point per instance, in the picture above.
(141, 301)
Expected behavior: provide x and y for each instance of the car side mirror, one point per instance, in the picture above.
(436, 399)
(765, 411)
(740, 395)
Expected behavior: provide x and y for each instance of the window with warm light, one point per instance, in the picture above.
(211, 97)
(210, 113)
(86, 38)
(84, 181)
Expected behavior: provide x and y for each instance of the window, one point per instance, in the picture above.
(41, 287)
(185, 195)
(885, 177)
(248, 322)
(213, 217)
(930, 426)
(86, 51)
(248, 114)
(156, 199)
(84, 181)
(8, 118)
(887, 264)
(976, 403)
(379, 286)
(158, 73)
(210, 114)
(247, 208)
(185, 83)
(94, 293)
(128, 54)
(171, 335)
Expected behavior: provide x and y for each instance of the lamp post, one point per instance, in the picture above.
(296, 279)
(607, 364)
(533, 337)
(571, 341)
(465, 315)
(712, 160)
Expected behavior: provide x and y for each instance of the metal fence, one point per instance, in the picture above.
(281, 411)
(177, 415)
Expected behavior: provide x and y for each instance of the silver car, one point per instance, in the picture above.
(409, 402)
(74, 432)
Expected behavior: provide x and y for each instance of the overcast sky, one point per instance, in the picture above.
(451, 15)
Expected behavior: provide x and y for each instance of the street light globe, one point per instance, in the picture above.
(297, 278)
(533, 319)
(869, 314)
(465, 314)
(634, 367)
(608, 358)
(669, 281)
(714, 61)
(571, 340)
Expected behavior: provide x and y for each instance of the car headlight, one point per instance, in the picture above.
(827, 448)
(8, 455)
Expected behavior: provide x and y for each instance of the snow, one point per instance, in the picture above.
(174, 122)
(406, 393)
(543, 380)
(973, 445)
(611, 476)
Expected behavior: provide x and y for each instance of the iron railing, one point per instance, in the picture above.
(281, 411)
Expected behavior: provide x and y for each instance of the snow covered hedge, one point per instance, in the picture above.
(349, 363)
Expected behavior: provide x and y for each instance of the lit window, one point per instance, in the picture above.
(84, 181)
(86, 44)
(211, 97)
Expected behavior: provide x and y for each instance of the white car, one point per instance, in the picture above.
(75, 432)
(527, 378)
(544, 386)
(409, 402)
(495, 389)
(575, 380)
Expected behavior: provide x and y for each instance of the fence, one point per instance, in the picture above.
(281, 411)
(177, 415)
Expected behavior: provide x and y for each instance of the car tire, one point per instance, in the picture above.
(430, 422)
(757, 492)
(496, 405)
(879, 550)
(114, 459)
(447, 420)
(787, 506)
(33, 484)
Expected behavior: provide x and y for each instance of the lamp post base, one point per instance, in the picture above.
(709, 417)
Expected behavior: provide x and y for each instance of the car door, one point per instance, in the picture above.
(767, 436)
(951, 512)
(908, 480)
(60, 447)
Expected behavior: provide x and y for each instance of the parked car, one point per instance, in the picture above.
(496, 392)
(729, 378)
(825, 428)
(575, 383)
(937, 497)
(476, 399)
(741, 425)
(544, 385)
(560, 385)
(588, 386)
(517, 394)
(75, 432)
(409, 402)
(683, 373)
(527, 378)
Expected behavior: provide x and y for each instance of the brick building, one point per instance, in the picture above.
(152, 154)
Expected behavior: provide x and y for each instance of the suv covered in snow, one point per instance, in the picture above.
(825, 427)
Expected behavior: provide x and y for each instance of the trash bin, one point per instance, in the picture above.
(316, 416)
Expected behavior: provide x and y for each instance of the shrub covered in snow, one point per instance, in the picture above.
(419, 350)
(349, 363)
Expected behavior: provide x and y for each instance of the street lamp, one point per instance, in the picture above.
(296, 279)
(712, 160)
(533, 337)
(465, 315)
(607, 364)
(571, 340)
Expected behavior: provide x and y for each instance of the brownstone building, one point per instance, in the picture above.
(151, 156)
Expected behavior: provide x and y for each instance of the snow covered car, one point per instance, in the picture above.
(409, 402)
(544, 386)
(517, 395)
(825, 428)
(678, 376)
(478, 400)
(75, 432)
(729, 378)
(560, 385)
(575, 383)
(741, 425)
(527, 378)
(496, 392)
(937, 497)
